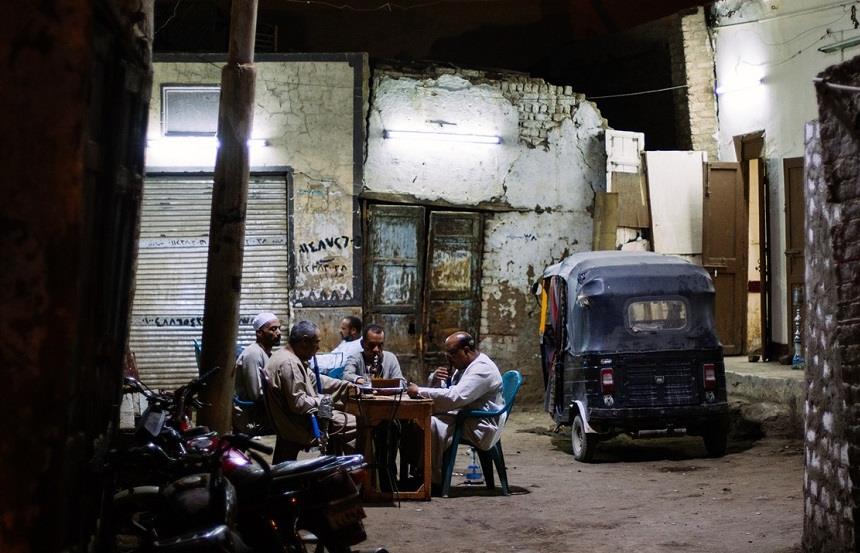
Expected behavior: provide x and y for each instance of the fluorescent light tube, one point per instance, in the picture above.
(198, 142)
(442, 137)
(738, 86)
(841, 45)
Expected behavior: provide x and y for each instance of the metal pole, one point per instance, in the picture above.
(227, 224)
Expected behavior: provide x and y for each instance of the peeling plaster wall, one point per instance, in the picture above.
(303, 109)
(545, 172)
(550, 155)
(517, 248)
(305, 112)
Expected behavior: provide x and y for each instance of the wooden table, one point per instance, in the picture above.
(369, 412)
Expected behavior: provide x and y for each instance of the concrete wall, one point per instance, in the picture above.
(305, 111)
(536, 187)
(543, 175)
(776, 41)
(832, 341)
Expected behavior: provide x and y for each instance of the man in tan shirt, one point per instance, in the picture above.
(293, 394)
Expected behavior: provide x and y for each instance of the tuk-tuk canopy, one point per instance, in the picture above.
(601, 287)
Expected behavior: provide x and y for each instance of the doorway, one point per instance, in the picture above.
(724, 251)
(422, 279)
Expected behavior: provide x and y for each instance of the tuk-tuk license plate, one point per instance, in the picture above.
(344, 512)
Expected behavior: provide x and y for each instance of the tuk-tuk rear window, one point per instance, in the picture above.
(654, 315)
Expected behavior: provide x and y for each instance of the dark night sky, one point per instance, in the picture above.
(508, 34)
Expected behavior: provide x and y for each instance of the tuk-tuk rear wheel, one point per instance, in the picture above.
(583, 443)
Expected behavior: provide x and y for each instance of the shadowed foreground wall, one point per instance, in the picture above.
(75, 76)
(832, 345)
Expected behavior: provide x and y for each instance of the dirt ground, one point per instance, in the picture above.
(649, 495)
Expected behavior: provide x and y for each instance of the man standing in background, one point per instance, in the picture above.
(350, 332)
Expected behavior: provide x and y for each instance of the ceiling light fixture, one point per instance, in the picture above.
(442, 137)
(198, 142)
(740, 85)
(841, 45)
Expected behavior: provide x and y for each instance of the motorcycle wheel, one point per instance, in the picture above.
(131, 520)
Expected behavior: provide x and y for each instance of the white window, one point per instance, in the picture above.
(656, 315)
(189, 110)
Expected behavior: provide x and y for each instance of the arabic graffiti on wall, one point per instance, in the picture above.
(323, 243)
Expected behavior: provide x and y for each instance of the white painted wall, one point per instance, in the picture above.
(546, 169)
(777, 41)
(304, 110)
(561, 176)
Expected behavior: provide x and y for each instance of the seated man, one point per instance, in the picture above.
(350, 332)
(475, 384)
(372, 360)
(294, 393)
(247, 371)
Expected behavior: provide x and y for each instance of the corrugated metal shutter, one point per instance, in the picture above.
(171, 270)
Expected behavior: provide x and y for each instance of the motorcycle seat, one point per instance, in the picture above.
(250, 474)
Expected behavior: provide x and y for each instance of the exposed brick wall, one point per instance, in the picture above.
(542, 106)
(692, 59)
(832, 343)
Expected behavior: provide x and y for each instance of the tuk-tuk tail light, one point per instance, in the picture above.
(709, 373)
(607, 380)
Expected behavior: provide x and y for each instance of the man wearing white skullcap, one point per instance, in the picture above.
(253, 358)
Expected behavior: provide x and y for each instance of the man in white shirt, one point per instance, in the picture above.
(350, 332)
(475, 384)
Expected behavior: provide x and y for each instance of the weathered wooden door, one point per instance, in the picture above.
(394, 261)
(724, 251)
(453, 285)
(794, 237)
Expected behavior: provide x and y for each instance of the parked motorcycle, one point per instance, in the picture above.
(192, 513)
(285, 507)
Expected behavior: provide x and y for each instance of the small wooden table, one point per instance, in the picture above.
(370, 411)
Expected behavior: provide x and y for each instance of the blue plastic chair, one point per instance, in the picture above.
(511, 382)
(336, 372)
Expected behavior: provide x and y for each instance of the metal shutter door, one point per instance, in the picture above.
(171, 270)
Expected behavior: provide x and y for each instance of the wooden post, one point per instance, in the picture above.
(227, 224)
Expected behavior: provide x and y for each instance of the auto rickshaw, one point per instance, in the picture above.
(628, 346)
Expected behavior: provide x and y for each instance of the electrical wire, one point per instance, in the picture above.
(639, 93)
(388, 6)
(804, 33)
(785, 15)
(169, 19)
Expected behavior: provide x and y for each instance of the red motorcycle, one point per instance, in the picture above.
(285, 507)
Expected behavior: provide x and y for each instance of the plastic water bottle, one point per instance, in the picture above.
(474, 476)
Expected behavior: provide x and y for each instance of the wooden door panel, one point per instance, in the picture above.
(394, 271)
(724, 286)
(724, 251)
(394, 287)
(794, 238)
(453, 292)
